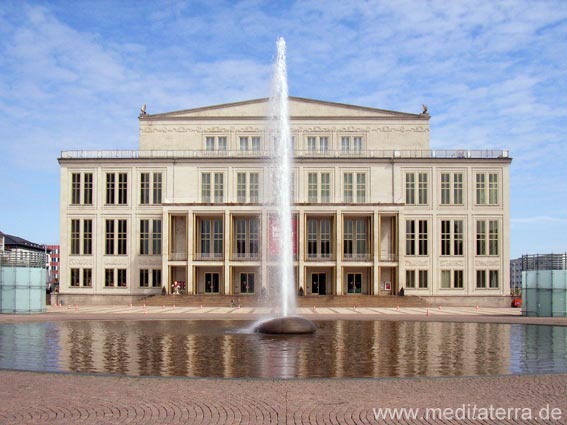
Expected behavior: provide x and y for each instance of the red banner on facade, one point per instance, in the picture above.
(274, 235)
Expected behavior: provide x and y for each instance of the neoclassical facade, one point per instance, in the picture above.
(375, 209)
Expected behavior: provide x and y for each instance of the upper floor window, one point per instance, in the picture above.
(319, 187)
(487, 244)
(116, 237)
(354, 187)
(116, 188)
(247, 187)
(249, 143)
(211, 238)
(247, 237)
(87, 237)
(150, 188)
(351, 144)
(451, 188)
(416, 237)
(215, 143)
(150, 237)
(212, 187)
(82, 193)
(452, 237)
(355, 238)
(319, 238)
(417, 188)
(487, 188)
(318, 144)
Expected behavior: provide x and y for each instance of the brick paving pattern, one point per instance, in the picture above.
(37, 398)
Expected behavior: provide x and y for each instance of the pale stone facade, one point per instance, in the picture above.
(375, 209)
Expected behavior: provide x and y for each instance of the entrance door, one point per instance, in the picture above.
(354, 283)
(212, 283)
(319, 283)
(247, 283)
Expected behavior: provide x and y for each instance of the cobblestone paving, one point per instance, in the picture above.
(38, 398)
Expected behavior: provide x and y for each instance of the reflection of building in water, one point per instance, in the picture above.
(374, 208)
(339, 349)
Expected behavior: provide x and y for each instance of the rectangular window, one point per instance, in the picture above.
(241, 187)
(493, 237)
(410, 278)
(255, 143)
(445, 188)
(156, 237)
(75, 277)
(480, 189)
(122, 188)
(219, 187)
(445, 279)
(312, 238)
(345, 144)
(422, 189)
(410, 188)
(109, 237)
(323, 144)
(88, 278)
(206, 187)
(348, 246)
(445, 237)
(360, 187)
(121, 277)
(451, 237)
(76, 188)
(410, 237)
(325, 187)
(325, 238)
(218, 239)
(319, 238)
(144, 278)
(451, 188)
(87, 237)
(458, 188)
(480, 238)
(145, 188)
(481, 279)
(110, 188)
(243, 144)
(311, 144)
(75, 237)
(458, 279)
(423, 279)
(144, 237)
(422, 224)
(254, 187)
(122, 237)
(156, 278)
(493, 278)
(222, 143)
(109, 278)
(157, 188)
(88, 189)
(312, 187)
(361, 238)
(210, 144)
(458, 234)
(357, 142)
(348, 187)
(493, 188)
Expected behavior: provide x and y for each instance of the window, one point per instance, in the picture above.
(422, 237)
(150, 188)
(493, 279)
(410, 278)
(452, 279)
(156, 278)
(116, 236)
(87, 237)
(247, 283)
(75, 277)
(75, 237)
(451, 188)
(482, 197)
(87, 278)
(144, 278)
(319, 238)
(312, 144)
(156, 237)
(345, 144)
(144, 237)
(121, 277)
(255, 143)
(452, 237)
(211, 238)
(109, 278)
(422, 189)
(116, 194)
(357, 141)
(423, 274)
(318, 193)
(355, 240)
(243, 144)
(217, 188)
(87, 189)
(247, 240)
(481, 237)
(348, 187)
(206, 187)
(246, 192)
(213, 143)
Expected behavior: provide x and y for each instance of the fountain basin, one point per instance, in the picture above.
(286, 325)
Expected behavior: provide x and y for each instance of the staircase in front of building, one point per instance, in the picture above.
(304, 301)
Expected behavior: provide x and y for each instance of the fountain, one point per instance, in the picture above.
(282, 157)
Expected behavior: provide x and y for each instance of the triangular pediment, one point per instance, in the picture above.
(298, 107)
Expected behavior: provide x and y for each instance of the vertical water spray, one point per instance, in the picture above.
(282, 167)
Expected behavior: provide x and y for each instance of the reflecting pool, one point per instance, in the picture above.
(339, 349)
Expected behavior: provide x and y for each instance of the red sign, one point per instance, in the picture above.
(275, 232)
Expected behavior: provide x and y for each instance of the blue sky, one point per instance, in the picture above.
(73, 75)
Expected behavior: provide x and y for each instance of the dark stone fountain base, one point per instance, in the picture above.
(286, 325)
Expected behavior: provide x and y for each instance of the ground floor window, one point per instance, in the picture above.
(354, 283)
(488, 278)
(247, 283)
